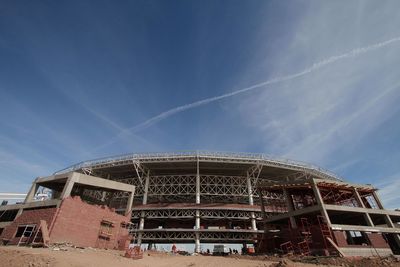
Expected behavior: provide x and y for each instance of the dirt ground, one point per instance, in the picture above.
(44, 257)
(73, 257)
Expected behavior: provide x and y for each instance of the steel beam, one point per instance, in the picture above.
(197, 226)
(252, 178)
(144, 202)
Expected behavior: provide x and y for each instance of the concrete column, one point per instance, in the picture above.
(250, 190)
(368, 219)
(378, 200)
(29, 197)
(103, 196)
(358, 197)
(362, 205)
(144, 202)
(69, 185)
(251, 202)
(198, 182)
(197, 224)
(197, 219)
(390, 223)
(129, 204)
(197, 243)
(320, 203)
(289, 204)
(19, 212)
(253, 221)
(264, 214)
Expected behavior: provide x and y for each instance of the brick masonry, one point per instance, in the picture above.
(76, 222)
(376, 240)
(27, 217)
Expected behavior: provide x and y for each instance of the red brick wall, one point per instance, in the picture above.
(78, 222)
(377, 240)
(340, 238)
(28, 217)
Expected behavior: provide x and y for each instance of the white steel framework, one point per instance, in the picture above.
(172, 189)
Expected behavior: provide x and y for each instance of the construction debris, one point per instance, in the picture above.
(134, 253)
(320, 217)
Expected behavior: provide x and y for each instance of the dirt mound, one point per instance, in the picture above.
(297, 261)
(353, 262)
(69, 256)
(284, 263)
(16, 258)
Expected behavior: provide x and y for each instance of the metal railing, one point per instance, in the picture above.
(198, 153)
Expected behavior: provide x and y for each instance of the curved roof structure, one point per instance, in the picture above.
(170, 161)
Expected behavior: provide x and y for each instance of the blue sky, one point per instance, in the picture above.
(79, 78)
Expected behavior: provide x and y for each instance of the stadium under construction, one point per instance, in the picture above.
(278, 205)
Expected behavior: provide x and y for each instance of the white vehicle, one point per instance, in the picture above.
(220, 250)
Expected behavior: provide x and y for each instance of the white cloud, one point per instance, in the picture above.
(280, 79)
(338, 107)
(389, 191)
(310, 116)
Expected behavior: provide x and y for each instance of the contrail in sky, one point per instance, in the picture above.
(314, 67)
